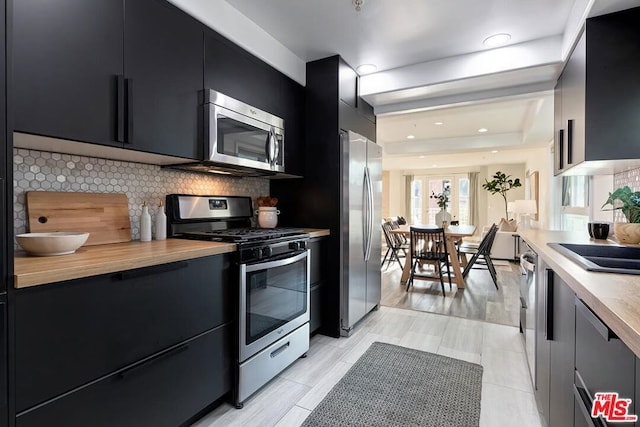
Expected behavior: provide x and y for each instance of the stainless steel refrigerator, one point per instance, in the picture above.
(360, 247)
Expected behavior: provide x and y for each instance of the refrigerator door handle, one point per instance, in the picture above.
(365, 215)
(369, 213)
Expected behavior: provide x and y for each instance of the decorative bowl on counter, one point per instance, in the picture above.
(49, 244)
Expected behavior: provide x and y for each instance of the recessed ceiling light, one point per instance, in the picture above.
(494, 151)
(433, 165)
(366, 69)
(438, 123)
(422, 157)
(411, 137)
(497, 40)
(483, 130)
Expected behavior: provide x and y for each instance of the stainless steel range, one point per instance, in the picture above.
(273, 283)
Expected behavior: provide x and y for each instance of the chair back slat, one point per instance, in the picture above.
(428, 243)
(487, 241)
(386, 228)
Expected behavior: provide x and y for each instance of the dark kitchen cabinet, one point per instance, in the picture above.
(85, 73)
(598, 94)
(555, 350)
(71, 333)
(318, 247)
(603, 362)
(67, 56)
(315, 200)
(163, 75)
(234, 72)
(166, 389)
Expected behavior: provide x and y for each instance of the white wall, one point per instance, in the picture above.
(491, 208)
(543, 163)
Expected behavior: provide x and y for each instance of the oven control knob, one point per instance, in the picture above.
(257, 253)
(266, 252)
(303, 245)
(294, 246)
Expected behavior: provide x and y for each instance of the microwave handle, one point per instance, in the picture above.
(271, 146)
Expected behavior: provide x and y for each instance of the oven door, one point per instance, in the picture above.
(274, 300)
(240, 140)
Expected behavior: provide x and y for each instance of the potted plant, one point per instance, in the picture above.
(501, 184)
(443, 199)
(628, 201)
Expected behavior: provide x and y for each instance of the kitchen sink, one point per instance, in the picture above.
(603, 258)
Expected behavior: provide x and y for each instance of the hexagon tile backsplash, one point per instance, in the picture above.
(43, 171)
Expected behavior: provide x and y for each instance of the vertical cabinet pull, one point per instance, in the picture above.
(560, 148)
(570, 142)
(129, 89)
(548, 304)
(120, 125)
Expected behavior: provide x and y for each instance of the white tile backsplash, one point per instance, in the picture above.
(43, 171)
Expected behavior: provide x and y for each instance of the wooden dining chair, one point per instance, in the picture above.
(394, 246)
(428, 245)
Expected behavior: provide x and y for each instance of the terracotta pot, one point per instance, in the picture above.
(627, 233)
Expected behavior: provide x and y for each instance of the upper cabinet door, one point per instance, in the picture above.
(164, 72)
(67, 58)
(236, 73)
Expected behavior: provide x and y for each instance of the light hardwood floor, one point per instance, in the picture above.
(507, 396)
(479, 300)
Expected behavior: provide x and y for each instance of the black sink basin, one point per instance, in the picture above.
(604, 258)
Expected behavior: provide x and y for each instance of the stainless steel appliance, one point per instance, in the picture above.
(273, 285)
(528, 262)
(360, 248)
(239, 139)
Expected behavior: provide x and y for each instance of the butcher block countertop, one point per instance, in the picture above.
(615, 298)
(103, 259)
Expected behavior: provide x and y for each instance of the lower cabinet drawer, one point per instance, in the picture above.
(603, 362)
(71, 333)
(164, 390)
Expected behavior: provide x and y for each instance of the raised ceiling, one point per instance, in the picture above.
(431, 63)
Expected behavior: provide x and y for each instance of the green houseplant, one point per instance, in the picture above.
(442, 199)
(628, 201)
(501, 184)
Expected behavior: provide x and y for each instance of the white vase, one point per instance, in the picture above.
(267, 217)
(442, 217)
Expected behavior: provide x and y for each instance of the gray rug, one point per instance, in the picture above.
(398, 386)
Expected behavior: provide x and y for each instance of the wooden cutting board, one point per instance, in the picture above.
(105, 216)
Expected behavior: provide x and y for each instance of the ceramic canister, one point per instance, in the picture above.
(267, 216)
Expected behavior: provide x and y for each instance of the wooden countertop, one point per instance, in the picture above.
(615, 298)
(103, 259)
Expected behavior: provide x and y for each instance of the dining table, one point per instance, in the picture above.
(452, 233)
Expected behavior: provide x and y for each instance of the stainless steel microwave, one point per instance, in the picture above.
(237, 134)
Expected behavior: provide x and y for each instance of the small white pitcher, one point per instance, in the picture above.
(267, 216)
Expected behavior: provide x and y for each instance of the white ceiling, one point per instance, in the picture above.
(431, 63)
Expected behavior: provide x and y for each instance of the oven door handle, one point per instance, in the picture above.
(276, 264)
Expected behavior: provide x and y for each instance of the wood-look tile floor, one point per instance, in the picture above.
(507, 396)
(479, 300)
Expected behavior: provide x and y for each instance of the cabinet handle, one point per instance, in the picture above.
(150, 362)
(149, 271)
(548, 304)
(599, 326)
(570, 142)
(129, 89)
(583, 400)
(560, 148)
(120, 108)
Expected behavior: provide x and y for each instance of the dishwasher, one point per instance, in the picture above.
(528, 262)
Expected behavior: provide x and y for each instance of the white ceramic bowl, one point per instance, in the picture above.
(48, 244)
